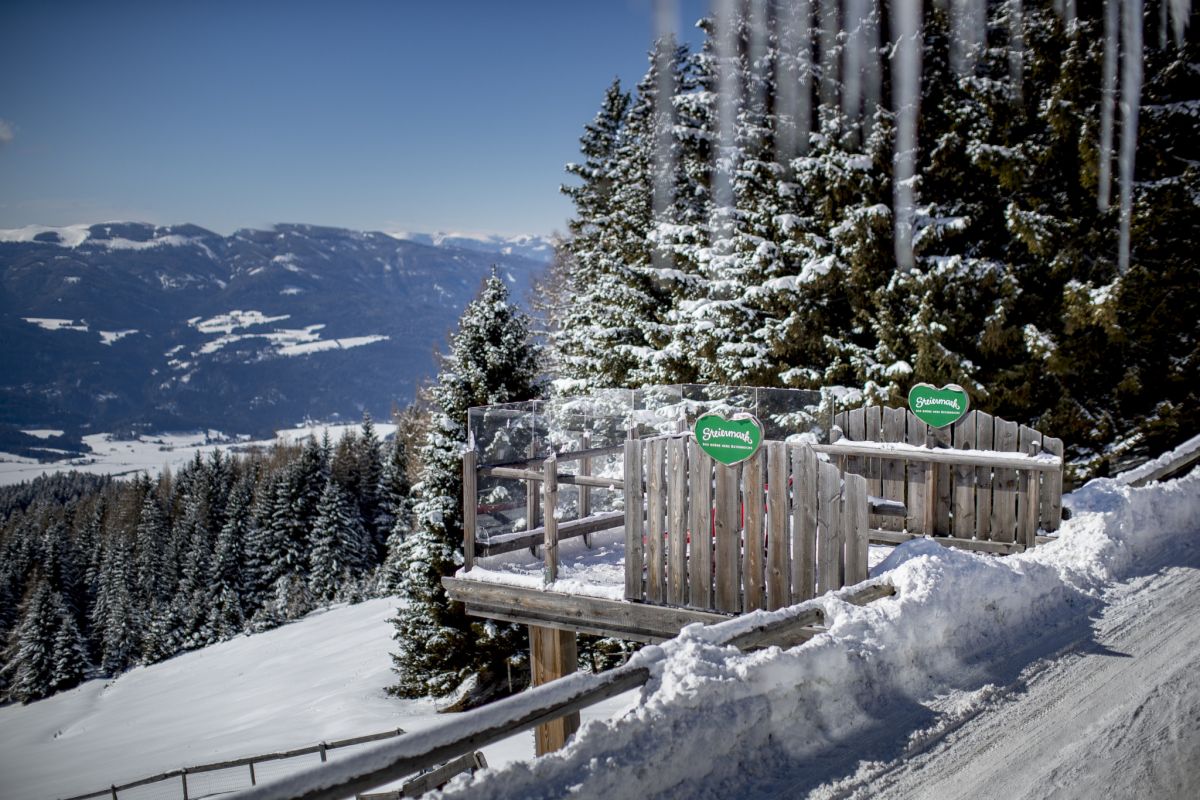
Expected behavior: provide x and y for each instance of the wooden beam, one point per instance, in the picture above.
(470, 507)
(845, 447)
(549, 504)
(597, 615)
(899, 537)
(519, 540)
(566, 478)
(573, 455)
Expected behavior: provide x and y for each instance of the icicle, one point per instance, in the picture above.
(829, 60)
(663, 189)
(906, 97)
(794, 80)
(968, 29)
(728, 103)
(1131, 91)
(853, 59)
(1181, 11)
(1016, 46)
(872, 73)
(1107, 103)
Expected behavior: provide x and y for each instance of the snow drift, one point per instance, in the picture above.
(714, 722)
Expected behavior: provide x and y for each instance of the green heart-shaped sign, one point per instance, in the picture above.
(729, 440)
(938, 407)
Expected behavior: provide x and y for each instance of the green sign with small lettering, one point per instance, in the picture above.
(938, 407)
(729, 440)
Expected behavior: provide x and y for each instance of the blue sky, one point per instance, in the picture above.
(416, 116)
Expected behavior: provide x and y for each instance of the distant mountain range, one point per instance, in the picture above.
(129, 326)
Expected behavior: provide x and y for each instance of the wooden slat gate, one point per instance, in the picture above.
(986, 504)
(774, 530)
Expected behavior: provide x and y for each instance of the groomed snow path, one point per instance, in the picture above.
(1115, 713)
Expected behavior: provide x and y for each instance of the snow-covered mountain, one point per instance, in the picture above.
(537, 248)
(129, 325)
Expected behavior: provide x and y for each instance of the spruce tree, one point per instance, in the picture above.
(341, 547)
(491, 360)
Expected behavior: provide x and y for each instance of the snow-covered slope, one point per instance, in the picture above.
(318, 679)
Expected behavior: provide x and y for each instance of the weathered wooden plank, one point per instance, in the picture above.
(727, 530)
(435, 778)
(677, 473)
(634, 512)
(1052, 487)
(917, 475)
(584, 492)
(533, 498)
(984, 436)
(595, 615)
(700, 548)
(977, 545)
(942, 456)
(829, 555)
(1004, 485)
(943, 482)
(778, 572)
(856, 431)
(1028, 501)
(964, 437)
(550, 502)
(855, 526)
(519, 540)
(552, 655)
(753, 553)
(892, 470)
(873, 432)
(804, 522)
(779, 633)
(470, 507)
(655, 520)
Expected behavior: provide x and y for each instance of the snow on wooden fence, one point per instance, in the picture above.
(776, 529)
(983, 482)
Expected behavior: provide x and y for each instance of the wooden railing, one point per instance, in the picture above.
(982, 483)
(249, 762)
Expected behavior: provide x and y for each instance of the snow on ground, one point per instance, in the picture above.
(319, 679)
(153, 453)
(890, 678)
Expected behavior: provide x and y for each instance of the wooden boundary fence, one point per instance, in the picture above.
(249, 762)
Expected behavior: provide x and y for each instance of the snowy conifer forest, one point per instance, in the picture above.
(760, 211)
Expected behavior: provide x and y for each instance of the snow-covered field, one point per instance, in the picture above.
(319, 679)
(153, 453)
(1067, 671)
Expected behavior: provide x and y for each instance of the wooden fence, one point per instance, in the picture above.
(249, 762)
(982, 480)
(777, 529)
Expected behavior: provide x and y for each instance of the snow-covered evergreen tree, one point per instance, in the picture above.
(491, 360)
(341, 547)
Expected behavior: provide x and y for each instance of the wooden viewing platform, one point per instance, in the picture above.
(699, 541)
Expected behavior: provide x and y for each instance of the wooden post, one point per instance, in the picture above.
(550, 500)
(727, 533)
(114, 791)
(804, 522)
(553, 655)
(585, 492)
(655, 520)
(753, 502)
(531, 502)
(183, 777)
(700, 556)
(324, 757)
(778, 574)
(253, 780)
(677, 485)
(470, 507)
(634, 515)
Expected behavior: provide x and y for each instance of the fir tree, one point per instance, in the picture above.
(491, 360)
(341, 547)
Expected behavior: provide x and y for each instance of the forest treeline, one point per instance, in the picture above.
(97, 575)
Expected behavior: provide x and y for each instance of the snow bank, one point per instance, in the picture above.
(713, 720)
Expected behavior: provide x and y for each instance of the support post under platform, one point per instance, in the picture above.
(553, 655)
